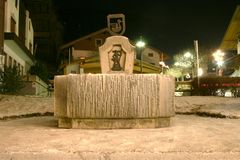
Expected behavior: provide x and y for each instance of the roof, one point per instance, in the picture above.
(69, 44)
(84, 37)
(232, 34)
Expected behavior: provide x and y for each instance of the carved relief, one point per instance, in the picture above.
(117, 55)
(117, 58)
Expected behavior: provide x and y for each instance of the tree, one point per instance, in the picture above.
(10, 80)
(183, 65)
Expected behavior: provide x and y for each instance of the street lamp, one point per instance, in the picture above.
(218, 57)
(140, 44)
(188, 55)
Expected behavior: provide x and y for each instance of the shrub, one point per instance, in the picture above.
(10, 80)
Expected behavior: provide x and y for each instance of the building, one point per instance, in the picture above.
(18, 42)
(231, 41)
(47, 32)
(82, 56)
(18, 36)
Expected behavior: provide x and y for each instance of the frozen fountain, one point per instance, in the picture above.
(117, 98)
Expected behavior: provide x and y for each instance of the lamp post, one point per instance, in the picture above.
(140, 44)
(197, 60)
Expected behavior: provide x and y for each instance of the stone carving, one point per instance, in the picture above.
(116, 24)
(117, 55)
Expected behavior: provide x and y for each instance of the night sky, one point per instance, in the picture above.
(170, 26)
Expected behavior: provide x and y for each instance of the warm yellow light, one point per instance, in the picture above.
(200, 71)
(140, 44)
(218, 57)
(187, 55)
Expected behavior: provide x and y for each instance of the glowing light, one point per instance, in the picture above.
(218, 57)
(140, 44)
(188, 55)
(200, 71)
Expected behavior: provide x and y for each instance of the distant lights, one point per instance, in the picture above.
(218, 57)
(187, 55)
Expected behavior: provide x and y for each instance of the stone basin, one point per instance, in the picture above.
(111, 101)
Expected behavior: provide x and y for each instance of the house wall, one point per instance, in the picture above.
(151, 56)
(77, 54)
(29, 37)
(90, 43)
(2, 12)
(10, 52)
(72, 68)
(11, 11)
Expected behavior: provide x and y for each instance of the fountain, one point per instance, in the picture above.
(117, 98)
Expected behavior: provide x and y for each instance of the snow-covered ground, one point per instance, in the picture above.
(188, 137)
(208, 105)
(12, 106)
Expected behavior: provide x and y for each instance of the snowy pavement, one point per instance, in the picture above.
(189, 137)
(221, 107)
(21, 106)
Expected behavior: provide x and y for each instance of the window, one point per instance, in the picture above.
(9, 61)
(30, 47)
(14, 63)
(19, 67)
(150, 54)
(21, 70)
(13, 25)
(73, 72)
(16, 3)
(98, 42)
(29, 25)
(152, 63)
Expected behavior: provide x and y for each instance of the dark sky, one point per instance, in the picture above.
(168, 25)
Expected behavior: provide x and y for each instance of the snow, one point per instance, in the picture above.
(13, 106)
(188, 137)
(225, 106)
(235, 74)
